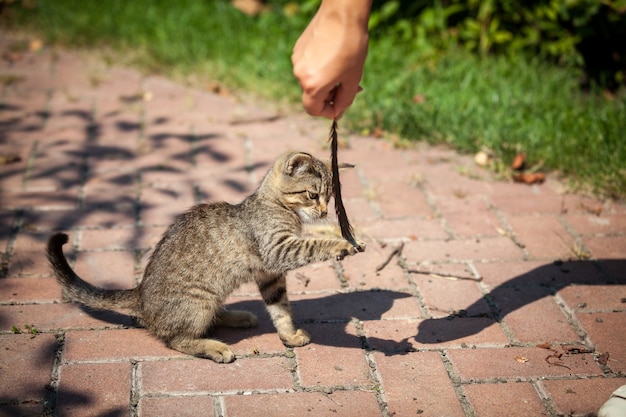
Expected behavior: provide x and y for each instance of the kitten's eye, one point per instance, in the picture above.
(313, 196)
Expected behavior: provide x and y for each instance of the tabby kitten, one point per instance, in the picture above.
(212, 249)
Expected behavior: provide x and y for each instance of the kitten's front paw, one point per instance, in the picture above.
(299, 338)
(347, 249)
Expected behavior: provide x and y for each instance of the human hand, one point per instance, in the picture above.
(329, 56)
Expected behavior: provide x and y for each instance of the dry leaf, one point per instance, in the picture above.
(12, 57)
(377, 132)
(595, 210)
(521, 359)
(603, 359)
(10, 158)
(530, 178)
(545, 345)
(518, 161)
(575, 350)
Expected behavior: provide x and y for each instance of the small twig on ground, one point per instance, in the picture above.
(443, 275)
(395, 252)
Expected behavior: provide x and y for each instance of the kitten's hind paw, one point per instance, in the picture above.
(236, 318)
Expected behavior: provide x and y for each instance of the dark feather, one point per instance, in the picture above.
(344, 223)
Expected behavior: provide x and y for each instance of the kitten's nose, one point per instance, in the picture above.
(323, 213)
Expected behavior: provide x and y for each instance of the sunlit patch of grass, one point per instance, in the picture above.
(508, 104)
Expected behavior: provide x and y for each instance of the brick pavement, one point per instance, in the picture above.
(457, 325)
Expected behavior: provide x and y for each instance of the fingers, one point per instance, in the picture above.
(321, 104)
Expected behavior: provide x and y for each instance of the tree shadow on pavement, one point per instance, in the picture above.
(518, 292)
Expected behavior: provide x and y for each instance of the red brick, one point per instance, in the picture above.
(315, 277)
(586, 204)
(122, 239)
(28, 290)
(473, 364)
(483, 224)
(161, 206)
(405, 229)
(40, 200)
(609, 247)
(25, 364)
(544, 237)
(203, 375)
(12, 177)
(370, 162)
(51, 174)
(600, 298)
(100, 345)
(100, 195)
(351, 185)
(512, 400)
(47, 317)
(214, 152)
(362, 305)
(606, 333)
(99, 217)
(533, 315)
(334, 357)
(45, 221)
(483, 250)
(443, 178)
(407, 335)
(524, 273)
(360, 270)
(397, 199)
(22, 410)
(581, 397)
(230, 187)
(28, 257)
(338, 403)
(521, 199)
(417, 383)
(94, 389)
(590, 224)
(359, 211)
(107, 269)
(176, 406)
(443, 296)
(468, 214)
(500, 273)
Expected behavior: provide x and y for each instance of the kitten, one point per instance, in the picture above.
(212, 249)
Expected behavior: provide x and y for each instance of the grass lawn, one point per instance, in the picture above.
(505, 104)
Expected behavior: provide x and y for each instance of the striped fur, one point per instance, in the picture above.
(212, 249)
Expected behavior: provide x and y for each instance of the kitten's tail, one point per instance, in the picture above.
(80, 290)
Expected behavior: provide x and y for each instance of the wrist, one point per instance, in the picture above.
(348, 12)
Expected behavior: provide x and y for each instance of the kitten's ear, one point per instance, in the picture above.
(298, 163)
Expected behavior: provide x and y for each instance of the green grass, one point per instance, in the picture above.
(507, 104)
